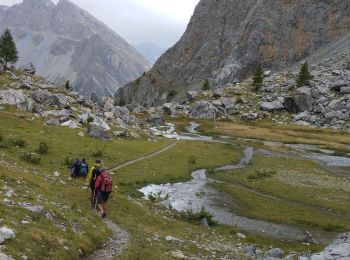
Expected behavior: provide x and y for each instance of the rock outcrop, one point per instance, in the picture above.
(65, 42)
(225, 40)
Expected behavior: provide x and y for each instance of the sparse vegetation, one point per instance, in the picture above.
(304, 76)
(18, 142)
(195, 217)
(192, 160)
(99, 151)
(43, 147)
(262, 174)
(31, 157)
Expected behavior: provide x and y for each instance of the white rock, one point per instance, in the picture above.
(6, 233)
(71, 124)
(172, 239)
(56, 174)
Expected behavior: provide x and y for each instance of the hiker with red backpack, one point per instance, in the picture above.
(103, 186)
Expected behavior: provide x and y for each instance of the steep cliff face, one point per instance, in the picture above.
(65, 42)
(225, 40)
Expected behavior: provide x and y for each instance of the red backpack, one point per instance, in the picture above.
(106, 182)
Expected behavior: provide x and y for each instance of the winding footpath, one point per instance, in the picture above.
(120, 237)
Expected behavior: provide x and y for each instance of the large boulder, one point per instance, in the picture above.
(169, 109)
(277, 104)
(156, 120)
(46, 98)
(16, 98)
(300, 102)
(96, 131)
(203, 110)
(123, 113)
(28, 68)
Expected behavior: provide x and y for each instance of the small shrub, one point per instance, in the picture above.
(206, 85)
(191, 216)
(3, 145)
(333, 228)
(31, 157)
(239, 100)
(192, 160)
(43, 147)
(99, 152)
(19, 142)
(68, 161)
(154, 197)
(90, 119)
(1, 137)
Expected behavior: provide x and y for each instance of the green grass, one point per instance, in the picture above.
(302, 193)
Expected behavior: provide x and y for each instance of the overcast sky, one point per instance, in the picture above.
(159, 21)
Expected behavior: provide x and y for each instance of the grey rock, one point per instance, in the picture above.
(85, 117)
(191, 95)
(53, 121)
(3, 256)
(250, 250)
(121, 133)
(172, 239)
(17, 98)
(56, 113)
(204, 222)
(28, 68)
(338, 85)
(345, 90)
(71, 124)
(275, 105)
(96, 131)
(203, 110)
(169, 109)
(249, 116)
(156, 120)
(49, 35)
(5, 234)
(274, 253)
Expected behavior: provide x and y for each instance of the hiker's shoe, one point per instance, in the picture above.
(103, 215)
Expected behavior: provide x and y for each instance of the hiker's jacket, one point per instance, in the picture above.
(90, 175)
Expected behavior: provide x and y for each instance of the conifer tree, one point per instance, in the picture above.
(8, 50)
(258, 78)
(304, 76)
(206, 86)
(67, 85)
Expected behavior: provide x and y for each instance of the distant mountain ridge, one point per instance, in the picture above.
(150, 50)
(226, 40)
(64, 42)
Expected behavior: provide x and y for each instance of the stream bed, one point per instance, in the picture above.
(197, 193)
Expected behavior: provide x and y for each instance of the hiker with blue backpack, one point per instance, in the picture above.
(84, 169)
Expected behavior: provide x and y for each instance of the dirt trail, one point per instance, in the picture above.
(115, 245)
(120, 237)
(115, 168)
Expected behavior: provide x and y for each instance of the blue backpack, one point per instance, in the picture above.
(83, 169)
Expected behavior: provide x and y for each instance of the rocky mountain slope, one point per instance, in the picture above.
(325, 103)
(65, 42)
(225, 40)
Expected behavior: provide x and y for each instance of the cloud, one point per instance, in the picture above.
(159, 21)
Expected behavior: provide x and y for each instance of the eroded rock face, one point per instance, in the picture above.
(226, 39)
